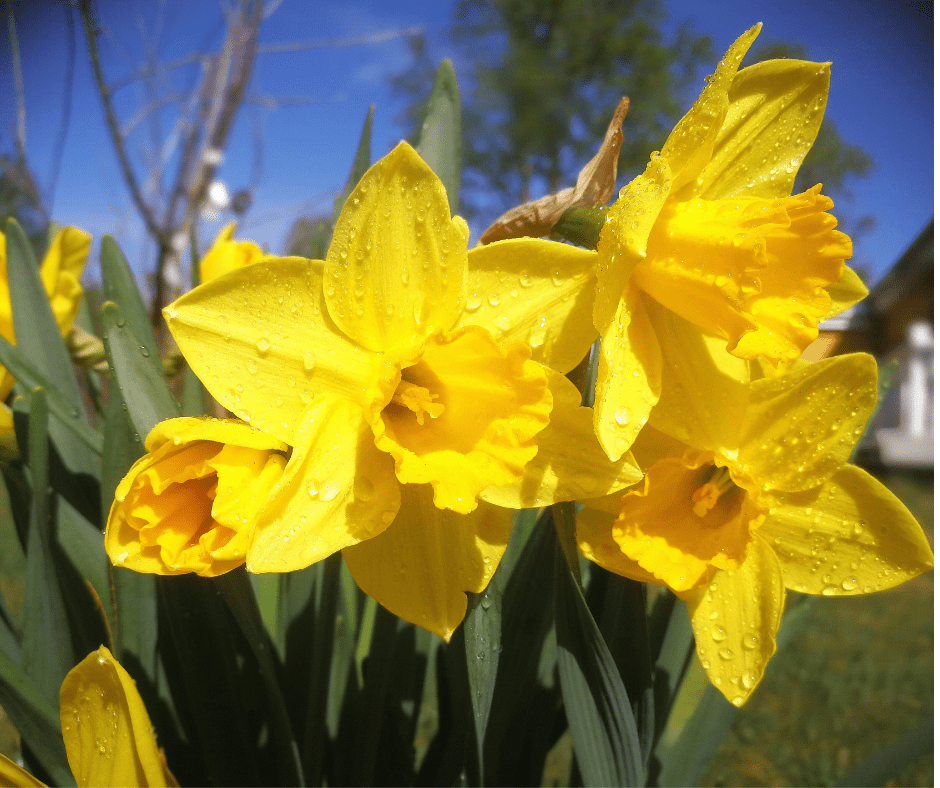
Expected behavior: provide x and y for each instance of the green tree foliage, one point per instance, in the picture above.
(547, 74)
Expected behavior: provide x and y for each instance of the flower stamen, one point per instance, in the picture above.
(706, 496)
(417, 399)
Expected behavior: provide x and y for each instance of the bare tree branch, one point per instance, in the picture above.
(153, 69)
(91, 37)
(331, 43)
(144, 111)
(273, 102)
(59, 149)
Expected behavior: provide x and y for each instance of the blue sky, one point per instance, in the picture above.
(881, 98)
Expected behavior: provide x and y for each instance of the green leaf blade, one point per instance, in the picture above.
(141, 382)
(439, 142)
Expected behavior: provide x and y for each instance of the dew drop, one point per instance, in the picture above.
(263, 345)
(622, 417)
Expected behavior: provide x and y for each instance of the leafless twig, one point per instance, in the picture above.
(91, 37)
(334, 43)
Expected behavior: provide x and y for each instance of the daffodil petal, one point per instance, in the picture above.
(596, 542)
(847, 292)
(570, 463)
(651, 446)
(186, 429)
(801, 427)
(262, 343)
(849, 536)
(396, 271)
(226, 255)
(774, 112)
(704, 388)
(337, 489)
(13, 775)
(61, 273)
(735, 618)
(108, 737)
(537, 292)
(629, 375)
(690, 144)
(422, 566)
(624, 236)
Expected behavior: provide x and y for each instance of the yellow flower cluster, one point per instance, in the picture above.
(406, 394)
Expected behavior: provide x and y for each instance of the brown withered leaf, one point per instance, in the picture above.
(594, 187)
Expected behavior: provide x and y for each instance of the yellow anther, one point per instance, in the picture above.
(417, 399)
(706, 496)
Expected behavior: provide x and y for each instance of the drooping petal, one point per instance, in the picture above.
(422, 566)
(660, 528)
(261, 341)
(800, 428)
(596, 542)
(629, 376)
(570, 463)
(396, 270)
(537, 292)
(775, 109)
(848, 291)
(190, 503)
(226, 255)
(16, 776)
(61, 273)
(624, 236)
(704, 388)
(849, 536)
(337, 489)
(483, 405)
(691, 142)
(108, 737)
(735, 619)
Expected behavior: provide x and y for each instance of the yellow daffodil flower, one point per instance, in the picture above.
(189, 505)
(60, 273)
(226, 255)
(417, 384)
(711, 231)
(108, 737)
(757, 499)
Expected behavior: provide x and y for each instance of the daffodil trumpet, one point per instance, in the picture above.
(420, 388)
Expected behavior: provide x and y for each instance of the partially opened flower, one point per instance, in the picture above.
(109, 740)
(416, 384)
(758, 498)
(189, 505)
(60, 272)
(711, 231)
(226, 255)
